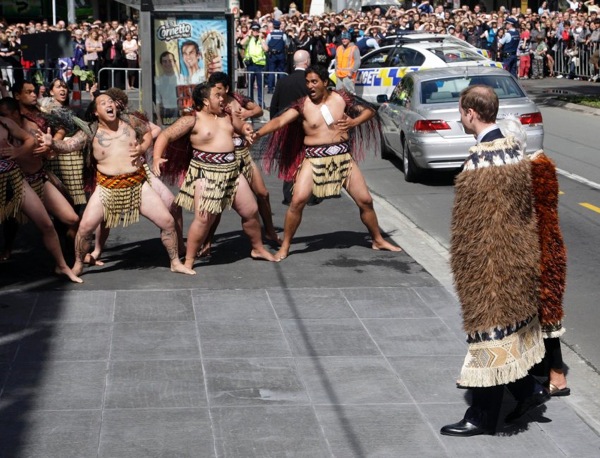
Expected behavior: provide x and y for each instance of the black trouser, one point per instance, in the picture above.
(487, 401)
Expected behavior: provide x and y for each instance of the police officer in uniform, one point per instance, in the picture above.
(276, 54)
(255, 60)
(367, 43)
(510, 43)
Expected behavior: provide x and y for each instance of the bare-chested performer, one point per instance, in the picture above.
(122, 189)
(44, 183)
(17, 196)
(326, 162)
(122, 100)
(213, 181)
(244, 108)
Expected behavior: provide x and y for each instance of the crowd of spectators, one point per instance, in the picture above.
(94, 45)
(559, 39)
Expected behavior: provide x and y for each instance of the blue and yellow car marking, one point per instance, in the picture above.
(388, 77)
(391, 76)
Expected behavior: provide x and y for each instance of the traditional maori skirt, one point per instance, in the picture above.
(495, 260)
(11, 189)
(121, 196)
(242, 155)
(332, 165)
(220, 172)
(69, 169)
(553, 252)
(36, 181)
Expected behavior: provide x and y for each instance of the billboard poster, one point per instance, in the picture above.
(187, 48)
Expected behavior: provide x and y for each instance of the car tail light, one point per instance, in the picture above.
(431, 125)
(531, 118)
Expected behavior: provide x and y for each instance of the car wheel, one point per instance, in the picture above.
(411, 170)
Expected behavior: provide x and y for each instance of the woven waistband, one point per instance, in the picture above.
(7, 165)
(214, 158)
(39, 175)
(326, 150)
(125, 180)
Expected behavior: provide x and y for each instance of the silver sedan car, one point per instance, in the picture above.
(421, 122)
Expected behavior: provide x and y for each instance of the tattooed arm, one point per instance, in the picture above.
(75, 143)
(183, 126)
(26, 141)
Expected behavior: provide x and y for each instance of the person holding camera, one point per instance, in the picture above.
(255, 60)
(318, 49)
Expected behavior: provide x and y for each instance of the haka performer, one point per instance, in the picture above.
(122, 190)
(327, 160)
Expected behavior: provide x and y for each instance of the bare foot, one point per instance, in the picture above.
(385, 245)
(91, 260)
(67, 272)
(178, 267)
(188, 264)
(204, 251)
(77, 268)
(262, 255)
(273, 237)
(5, 255)
(281, 254)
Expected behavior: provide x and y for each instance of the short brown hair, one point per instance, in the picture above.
(482, 100)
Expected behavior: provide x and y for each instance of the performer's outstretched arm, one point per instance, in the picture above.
(277, 123)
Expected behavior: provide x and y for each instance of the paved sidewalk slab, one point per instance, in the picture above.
(339, 351)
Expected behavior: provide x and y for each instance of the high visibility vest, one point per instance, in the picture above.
(344, 58)
(255, 51)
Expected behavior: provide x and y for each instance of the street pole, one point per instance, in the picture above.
(71, 12)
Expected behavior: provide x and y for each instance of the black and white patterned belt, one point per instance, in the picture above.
(326, 150)
(214, 158)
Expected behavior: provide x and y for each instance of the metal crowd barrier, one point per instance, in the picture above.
(123, 72)
(252, 93)
(46, 74)
(585, 69)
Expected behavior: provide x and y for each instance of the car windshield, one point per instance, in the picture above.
(449, 89)
(453, 54)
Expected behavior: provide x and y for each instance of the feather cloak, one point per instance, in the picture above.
(553, 252)
(495, 259)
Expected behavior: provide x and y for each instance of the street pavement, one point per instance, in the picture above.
(339, 350)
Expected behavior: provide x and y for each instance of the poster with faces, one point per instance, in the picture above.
(187, 49)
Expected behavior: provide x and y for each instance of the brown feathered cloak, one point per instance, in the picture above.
(495, 259)
(553, 252)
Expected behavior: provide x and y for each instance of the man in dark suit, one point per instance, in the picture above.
(289, 89)
(498, 296)
(113, 57)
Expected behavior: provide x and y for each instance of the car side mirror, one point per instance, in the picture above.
(382, 98)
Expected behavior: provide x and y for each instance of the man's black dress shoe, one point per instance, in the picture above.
(530, 403)
(463, 429)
